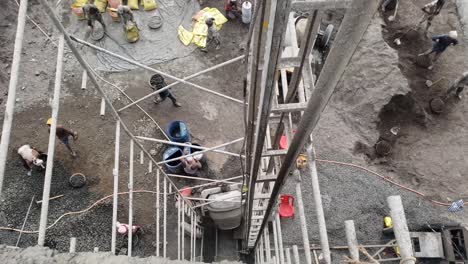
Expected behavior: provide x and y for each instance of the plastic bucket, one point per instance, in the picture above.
(178, 131)
(171, 153)
(246, 12)
(194, 149)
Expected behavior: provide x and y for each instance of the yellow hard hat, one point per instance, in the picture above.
(49, 121)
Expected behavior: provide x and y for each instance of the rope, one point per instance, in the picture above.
(385, 178)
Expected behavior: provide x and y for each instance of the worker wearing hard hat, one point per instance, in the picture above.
(64, 135)
(439, 44)
(431, 10)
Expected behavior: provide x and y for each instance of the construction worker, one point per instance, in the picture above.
(64, 135)
(458, 86)
(157, 82)
(91, 13)
(125, 14)
(30, 157)
(431, 10)
(439, 44)
(232, 11)
(213, 35)
(191, 165)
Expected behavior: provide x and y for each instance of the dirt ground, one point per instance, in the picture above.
(212, 121)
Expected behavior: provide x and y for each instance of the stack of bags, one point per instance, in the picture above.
(199, 33)
(112, 4)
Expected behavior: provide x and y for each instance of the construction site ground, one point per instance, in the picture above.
(428, 156)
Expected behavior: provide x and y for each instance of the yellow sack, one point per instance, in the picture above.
(199, 40)
(133, 33)
(77, 9)
(200, 28)
(219, 18)
(149, 5)
(101, 5)
(133, 4)
(185, 36)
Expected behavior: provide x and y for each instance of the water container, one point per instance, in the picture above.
(171, 153)
(178, 131)
(246, 12)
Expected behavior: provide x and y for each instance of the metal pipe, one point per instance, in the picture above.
(183, 230)
(288, 255)
(266, 237)
(275, 240)
(201, 246)
(142, 160)
(280, 239)
(130, 200)
(51, 147)
(153, 70)
(188, 145)
(179, 205)
(191, 237)
(303, 222)
(115, 173)
(10, 104)
(24, 222)
(352, 240)
(400, 228)
(84, 80)
(318, 205)
(72, 245)
(103, 107)
(157, 213)
(203, 179)
(185, 79)
(262, 252)
(296, 255)
(164, 217)
(353, 26)
(200, 152)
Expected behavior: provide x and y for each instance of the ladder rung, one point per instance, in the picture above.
(266, 179)
(293, 107)
(258, 217)
(260, 208)
(262, 196)
(284, 63)
(274, 152)
(305, 5)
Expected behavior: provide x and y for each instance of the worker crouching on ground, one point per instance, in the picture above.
(64, 135)
(431, 10)
(126, 14)
(439, 44)
(232, 10)
(157, 83)
(91, 13)
(30, 156)
(191, 164)
(213, 35)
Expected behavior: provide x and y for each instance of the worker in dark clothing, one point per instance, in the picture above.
(91, 13)
(64, 135)
(125, 14)
(431, 10)
(157, 82)
(439, 44)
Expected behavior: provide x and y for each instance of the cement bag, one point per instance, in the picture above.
(77, 8)
(200, 28)
(185, 36)
(149, 5)
(133, 33)
(101, 5)
(133, 4)
(199, 40)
